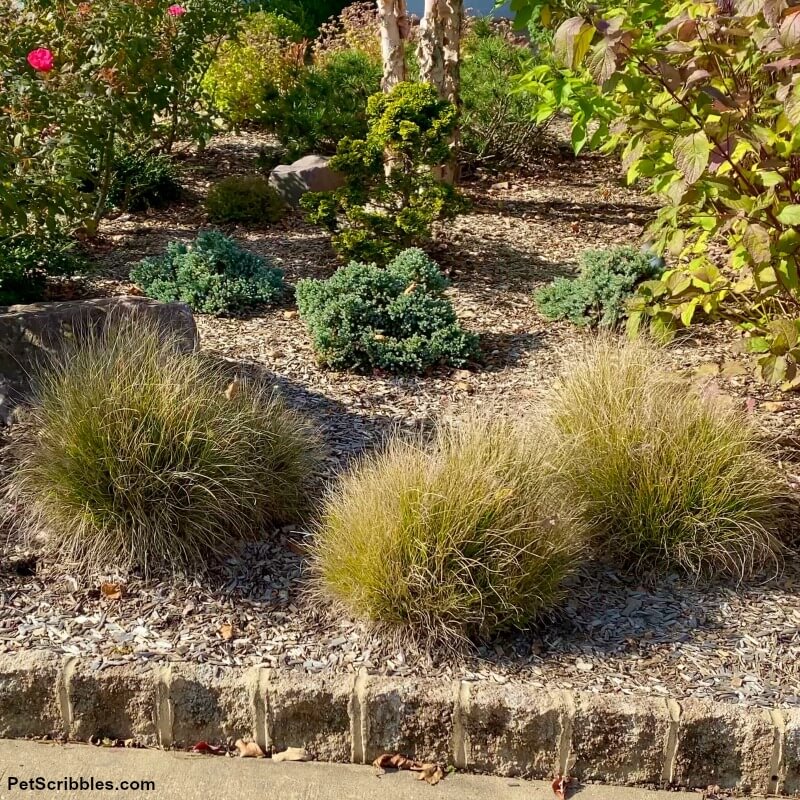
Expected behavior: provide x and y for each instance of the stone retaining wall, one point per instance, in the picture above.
(510, 730)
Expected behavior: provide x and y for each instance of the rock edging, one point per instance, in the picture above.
(510, 730)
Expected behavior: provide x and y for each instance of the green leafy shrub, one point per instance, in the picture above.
(668, 478)
(143, 180)
(251, 71)
(392, 195)
(497, 128)
(213, 276)
(603, 288)
(395, 319)
(138, 457)
(111, 72)
(705, 104)
(26, 261)
(307, 14)
(243, 198)
(460, 539)
(326, 104)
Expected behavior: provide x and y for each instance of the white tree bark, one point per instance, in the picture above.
(394, 32)
(439, 57)
(430, 52)
(439, 49)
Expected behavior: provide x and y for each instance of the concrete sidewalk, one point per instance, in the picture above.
(179, 776)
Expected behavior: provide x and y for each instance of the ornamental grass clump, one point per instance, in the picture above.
(452, 541)
(668, 477)
(138, 457)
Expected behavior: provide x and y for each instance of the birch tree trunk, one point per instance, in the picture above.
(439, 56)
(394, 32)
(439, 49)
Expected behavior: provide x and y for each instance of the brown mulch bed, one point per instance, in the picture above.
(667, 636)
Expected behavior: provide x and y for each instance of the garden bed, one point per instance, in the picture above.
(667, 637)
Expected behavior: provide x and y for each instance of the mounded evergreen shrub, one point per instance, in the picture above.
(243, 198)
(459, 539)
(143, 180)
(213, 276)
(388, 205)
(327, 103)
(599, 295)
(668, 478)
(26, 261)
(137, 456)
(394, 318)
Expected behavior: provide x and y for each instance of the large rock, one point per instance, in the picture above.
(29, 333)
(308, 174)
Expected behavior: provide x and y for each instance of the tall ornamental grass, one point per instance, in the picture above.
(138, 456)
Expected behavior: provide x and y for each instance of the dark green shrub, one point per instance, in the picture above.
(138, 457)
(26, 260)
(143, 180)
(666, 477)
(307, 14)
(392, 194)
(395, 319)
(498, 130)
(454, 541)
(599, 295)
(326, 104)
(243, 198)
(214, 276)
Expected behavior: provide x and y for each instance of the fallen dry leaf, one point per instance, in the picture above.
(232, 392)
(431, 774)
(773, 406)
(559, 786)
(112, 591)
(249, 749)
(733, 369)
(226, 631)
(293, 754)
(207, 749)
(393, 761)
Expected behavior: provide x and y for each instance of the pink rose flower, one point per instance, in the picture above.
(176, 10)
(41, 60)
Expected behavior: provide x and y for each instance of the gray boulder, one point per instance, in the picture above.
(308, 174)
(29, 333)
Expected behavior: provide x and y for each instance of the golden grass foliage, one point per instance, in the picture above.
(448, 541)
(137, 456)
(667, 476)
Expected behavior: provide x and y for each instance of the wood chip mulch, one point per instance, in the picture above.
(667, 636)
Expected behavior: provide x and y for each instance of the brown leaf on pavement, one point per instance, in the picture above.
(393, 761)
(293, 754)
(207, 749)
(560, 785)
(429, 772)
(249, 749)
